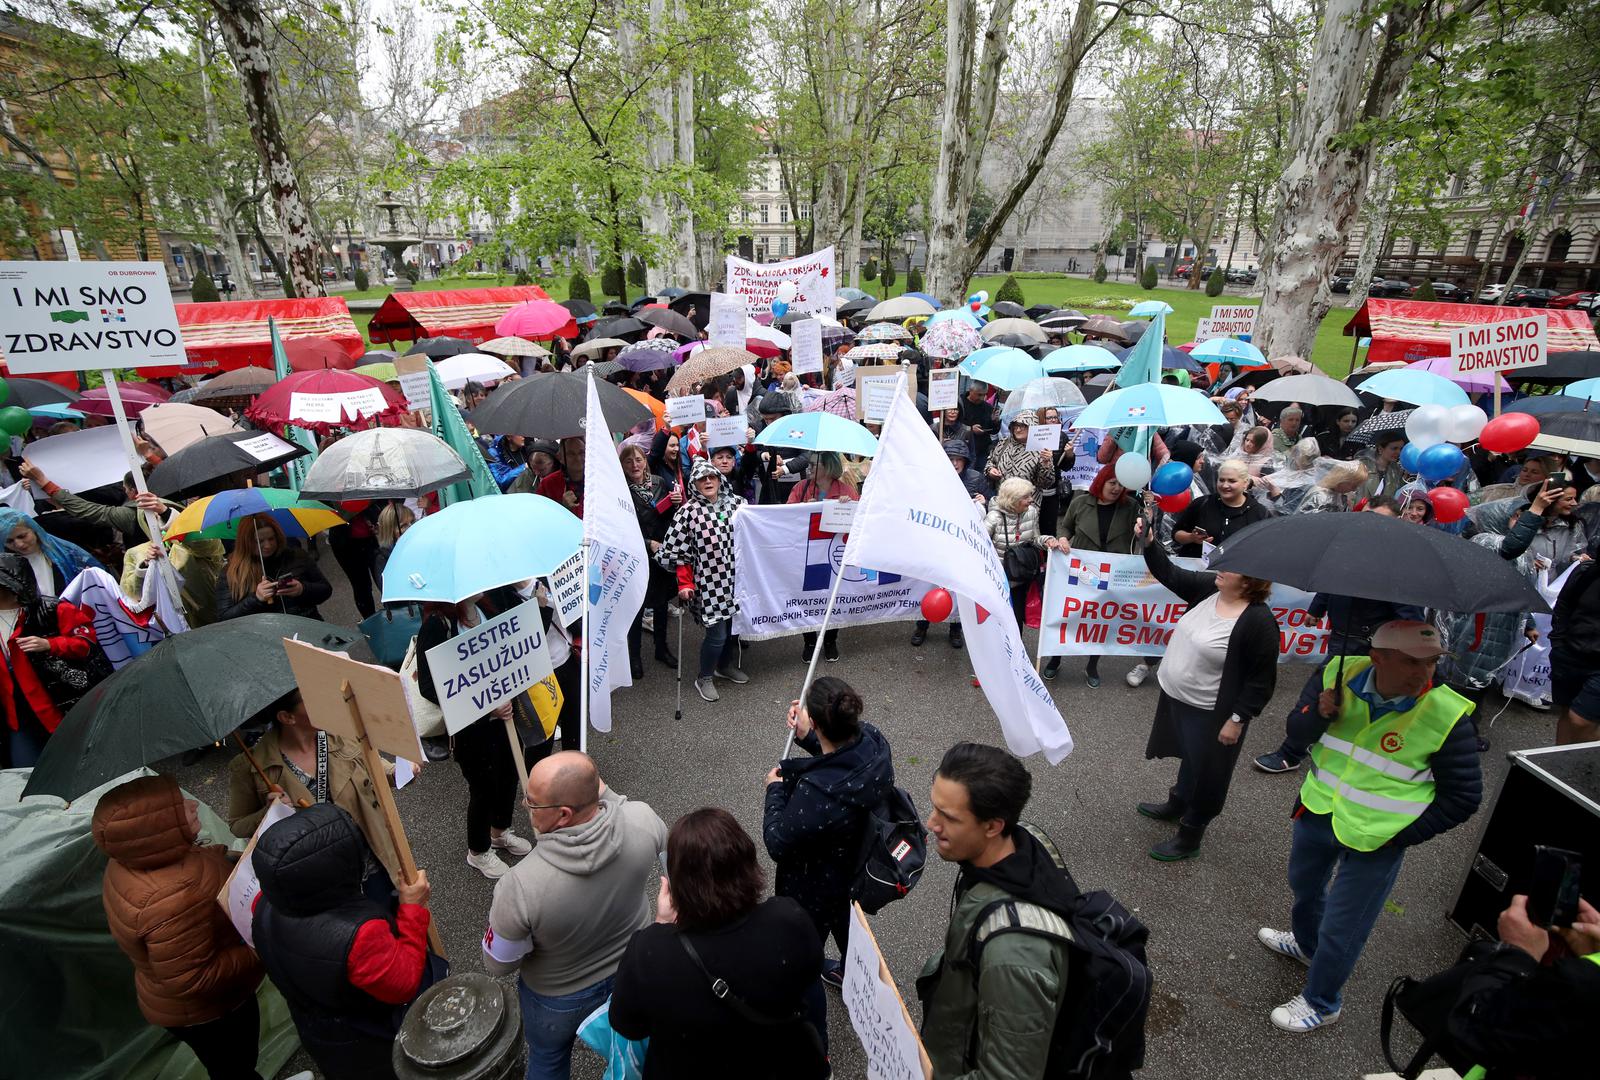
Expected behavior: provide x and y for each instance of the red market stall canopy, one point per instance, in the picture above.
(462, 313)
(1412, 329)
(233, 333)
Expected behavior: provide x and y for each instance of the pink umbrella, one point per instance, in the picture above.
(951, 339)
(1474, 383)
(841, 402)
(537, 320)
(134, 399)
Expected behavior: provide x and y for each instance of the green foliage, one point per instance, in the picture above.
(636, 272)
(612, 282)
(914, 280)
(412, 272)
(1009, 290)
(1424, 292)
(887, 276)
(1147, 279)
(522, 278)
(869, 272)
(1215, 282)
(362, 281)
(203, 290)
(578, 287)
(1099, 274)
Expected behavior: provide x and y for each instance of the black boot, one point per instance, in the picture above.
(957, 639)
(636, 666)
(920, 634)
(1171, 810)
(663, 653)
(1185, 845)
(1051, 666)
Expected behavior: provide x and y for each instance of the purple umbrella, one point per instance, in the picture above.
(1471, 383)
(653, 354)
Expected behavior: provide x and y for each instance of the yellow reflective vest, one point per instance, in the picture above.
(1373, 778)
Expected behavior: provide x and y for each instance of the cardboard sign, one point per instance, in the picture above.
(875, 390)
(1499, 346)
(1044, 437)
(264, 447)
(726, 326)
(894, 1050)
(757, 283)
(837, 514)
(415, 383)
(78, 316)
(485, 667)
(239, 892)
(944, 389)
(566, 589)
(686, 409)
(805, 346)
(726, 431)
(379, 695)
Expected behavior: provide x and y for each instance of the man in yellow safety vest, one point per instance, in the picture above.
(1395, 764)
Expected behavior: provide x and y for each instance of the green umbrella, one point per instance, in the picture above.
(192, 689)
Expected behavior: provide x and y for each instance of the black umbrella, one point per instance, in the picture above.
(635, 305)
(1010, 309)
(192, 689)
(672, 292)
(615, 307)
(1568, 424)
(1037, 310)
(553, 405)
(618, 328)
(1376, 557)
(670, 321)
(694, 306)
(1016, 341)
(581, 309)
(1559, 367)
(31, 393)
(437, 348)
(239, 385)
(217, 456)
(1060, 319)
(855, 307)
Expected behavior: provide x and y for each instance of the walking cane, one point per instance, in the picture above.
(677, 714)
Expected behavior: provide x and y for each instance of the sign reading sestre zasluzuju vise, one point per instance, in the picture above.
(79, 316)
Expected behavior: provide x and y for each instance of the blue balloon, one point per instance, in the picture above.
(1410, 457)
(1172, 478)
(1440, 462)
(779, 309)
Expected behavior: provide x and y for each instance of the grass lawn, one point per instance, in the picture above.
(1332, 352)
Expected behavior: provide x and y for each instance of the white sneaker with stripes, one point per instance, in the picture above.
(1296, 1015)
(1283, 943)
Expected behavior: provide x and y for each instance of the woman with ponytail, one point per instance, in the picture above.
(817, 807)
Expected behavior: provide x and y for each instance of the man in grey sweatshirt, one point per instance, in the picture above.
(563, 916)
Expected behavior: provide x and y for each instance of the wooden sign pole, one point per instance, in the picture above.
(391, 813)
(522, 765)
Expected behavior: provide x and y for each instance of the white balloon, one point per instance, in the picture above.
(1464, 423)
(1426, 425)
(787, 290)
(1133, 470)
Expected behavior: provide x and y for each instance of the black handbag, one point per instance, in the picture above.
(1427, 1004)
(1022, 561)
(66, 681)
(809, 1040)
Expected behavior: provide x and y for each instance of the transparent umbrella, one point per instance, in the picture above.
(383, 463)
(1048, 392)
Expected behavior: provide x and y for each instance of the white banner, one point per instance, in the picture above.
(482, 669)
(726, 325)
(1100, 604)
(1499, 346)
(805, 341)
(943, 389)
(1527, 676)
(1228, 320)
(77, 316)
(80, 460)
(785, 565)
(239, 892)
(758, 282)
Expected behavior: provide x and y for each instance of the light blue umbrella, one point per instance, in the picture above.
(1240, 354)
(819, 431)
(924, 296)
(463, 550)
(1146, 308)
(1584, 388)
(960, 314)
(1149, 405)
(1071, 358)
(1414, 387)
(978, 356)
(55, 411)
(1008, 368)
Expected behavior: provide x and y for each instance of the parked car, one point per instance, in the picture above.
(1592, 305)
(1572, 300)
(1491, 294)
(1341, 283)
(1523, 296)
(1240, 277)
(1449, 290)
(1390, 287)
(330, 273)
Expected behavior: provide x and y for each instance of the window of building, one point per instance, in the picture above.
(1474, 238)
(783, 213)
(805, 211)
(783, 246)
(1416, 246)
(1458, 186)
(765, 210)
(744, 212)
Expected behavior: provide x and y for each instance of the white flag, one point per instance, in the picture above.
(617, 567)
(916, 519)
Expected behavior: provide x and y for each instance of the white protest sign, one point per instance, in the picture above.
(404, 773)
(837, 514)
(726, 431)
(1499, 346)
(489, 665)
(264, 447)
(1085, 466)
(316, 408)
(758, 283)
(239, 892)
(566, 589)
(874, 395)
(418, 389)
(893, 1049)
(80, 460)
(359, 403)
(944, 389)
(77, 316)
(1044, 437)
(1228, 320)
(686, 409)
(726, 326)
(805, 346)
(1206, 329)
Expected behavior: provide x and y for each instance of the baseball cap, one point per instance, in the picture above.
(1417, 639)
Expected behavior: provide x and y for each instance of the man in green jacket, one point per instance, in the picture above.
(993, 1021)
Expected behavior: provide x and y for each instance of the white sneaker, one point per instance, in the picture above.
(1139, 674)
(488, 864)
(707, 689)
(1283, 943)
(510, 843)
(1296, 1015)
(305, 1074)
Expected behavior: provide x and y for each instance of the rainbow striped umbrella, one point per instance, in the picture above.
(216, 517)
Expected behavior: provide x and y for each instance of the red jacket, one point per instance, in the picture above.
(76, 625)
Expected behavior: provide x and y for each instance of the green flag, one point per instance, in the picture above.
(448, 425)
(1143, 365)
(296, 469)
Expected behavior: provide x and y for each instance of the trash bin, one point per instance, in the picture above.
(465, 1027)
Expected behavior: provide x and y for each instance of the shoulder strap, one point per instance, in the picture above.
(1019, 916)
(724, 993)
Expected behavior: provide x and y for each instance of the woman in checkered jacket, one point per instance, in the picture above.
(699, 549)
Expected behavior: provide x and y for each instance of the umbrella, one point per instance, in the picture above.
(310, 353)
(44, 414)
(840, 402)
(901, 307)
(625, 327)
(963, 315)
(1568, 424)
(515, 346)
(764, 340)
(26, 393)
(216, 517)
(833, 335)
(580, 309)
(1241, 354)
(383, 372)
(536, 319)
(819, 431)
(1149, 405)
(1414, 387)
(694, 306)
(605, 369)
(379, 356)
(1367, 430)
(457, 371)
(1559, 367)
(1584, 388)
(1044, 393)
(708, 363)
(925, 298)
(597, 346)
(1021, 327)
(384, 463)
(1172, 359)
(1134, 330)
(189, 690)
(554, 405)
(1007, 369)
(1070, 358)
(1334, 554)
(1471, 382)
(175, 426)
(657, 407)
(885, 331)
(302, 398)
(670, 321)
(134, 402)
(1102, 326)
(1309, 390)
(436, 348)
(1150, 308)
(235, 453)
(1062, 319)
(236, 386)
(875, 350)
(855, 307)
(146, 389)
(672, 292)
(854, 295)
(1009, 309)
(950, 339)
(655, 354)
(462, 551)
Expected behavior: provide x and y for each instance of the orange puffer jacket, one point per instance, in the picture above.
(160, 893)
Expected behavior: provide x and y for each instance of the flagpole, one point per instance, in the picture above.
(583, 708)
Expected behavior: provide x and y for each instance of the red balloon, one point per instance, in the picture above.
(1449, 505)
(1509, 433)
(1173, 503)
(937, 605)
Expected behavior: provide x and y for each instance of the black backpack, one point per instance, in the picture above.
(1099, 1032)
(894, 846)
(1427, 1005)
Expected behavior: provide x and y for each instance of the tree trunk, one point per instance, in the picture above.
(686, 269)
(244, 32)
(227, 225)
(271, 252)
(1380, 201)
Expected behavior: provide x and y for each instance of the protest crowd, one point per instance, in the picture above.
(513, 518)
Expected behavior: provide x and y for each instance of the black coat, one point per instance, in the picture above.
(1518, 1018)
(290, 562)
(815, 817)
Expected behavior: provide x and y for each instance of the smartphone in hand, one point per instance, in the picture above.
(1553, 893)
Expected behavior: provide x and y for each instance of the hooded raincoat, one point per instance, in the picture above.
(699, 547)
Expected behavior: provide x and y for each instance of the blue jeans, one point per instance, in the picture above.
(26, 743)
(550, 1024)
(718, 648)
(1331, 925)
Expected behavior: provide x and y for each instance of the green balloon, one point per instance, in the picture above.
(5, 391)
(15, 420)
